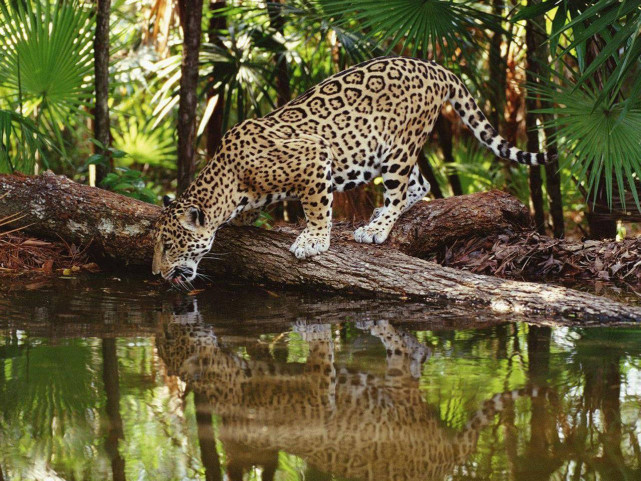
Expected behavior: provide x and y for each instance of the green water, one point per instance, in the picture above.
(112, 379)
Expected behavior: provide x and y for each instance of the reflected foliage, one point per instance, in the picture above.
(218, 396)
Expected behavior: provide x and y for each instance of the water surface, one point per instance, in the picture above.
(122, 379)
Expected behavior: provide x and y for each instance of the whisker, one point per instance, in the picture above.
(203, 276)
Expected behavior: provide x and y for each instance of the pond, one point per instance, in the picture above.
(107, 378)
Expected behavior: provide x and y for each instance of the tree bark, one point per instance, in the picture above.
(553, 184)
(214, 127)
(276, 21)
(444, 132)
(497, 69)
(190, 12)
(119, 228)
(207, 438)
(115, 431)
(428, 173)
(538, 62)
(101, 81)
(533, 41)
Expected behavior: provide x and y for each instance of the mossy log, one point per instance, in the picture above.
(118, 228)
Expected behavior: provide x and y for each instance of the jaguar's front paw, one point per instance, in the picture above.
(309, 244)
(370, 234)
(313, 332)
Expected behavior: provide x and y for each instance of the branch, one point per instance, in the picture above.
(118, 228)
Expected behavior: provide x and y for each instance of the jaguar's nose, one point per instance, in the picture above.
(182, 274)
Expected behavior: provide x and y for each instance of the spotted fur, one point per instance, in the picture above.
(369, 120)
(357, 424)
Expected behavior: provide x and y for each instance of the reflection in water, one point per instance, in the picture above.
(112, 392)
(348, 422)
(258, 387)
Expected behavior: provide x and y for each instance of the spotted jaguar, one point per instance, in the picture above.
(368, 121)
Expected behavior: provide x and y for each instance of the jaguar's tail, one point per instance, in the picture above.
(468, 437)
(473, 117)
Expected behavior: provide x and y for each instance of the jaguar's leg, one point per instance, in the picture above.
(396, 174)
(316, 198)
(417, 188)
(319, 368)
(405, 354)
(247, 217)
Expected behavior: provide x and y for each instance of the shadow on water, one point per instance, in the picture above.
(123, 380)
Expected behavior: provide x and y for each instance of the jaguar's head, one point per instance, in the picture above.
(184, 234)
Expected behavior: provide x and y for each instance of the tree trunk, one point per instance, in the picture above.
(214, 127)
(536, 192)
(112, 391)
(497, 79)
(553, 184)
(540, 57)
(291, 211)
(601, 221)
(497, 71)
(428, 173)
(444, 132)
(119, 228)
(533, 41)
(101, 71)
(207, 438)
(283, 89)
(190, 12)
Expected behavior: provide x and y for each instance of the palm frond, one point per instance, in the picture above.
(430, 26)
(21, 143)
(46, 58)
(601, 143)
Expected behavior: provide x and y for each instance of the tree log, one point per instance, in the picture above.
(118, 227)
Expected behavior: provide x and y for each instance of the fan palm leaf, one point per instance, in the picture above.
(429, 26)
(144, 143)
(20, 143)
(618, 22)
(46, 58)
(602, 143)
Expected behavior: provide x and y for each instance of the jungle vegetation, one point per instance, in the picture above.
(144, 91)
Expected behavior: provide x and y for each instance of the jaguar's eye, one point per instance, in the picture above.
(166, 246)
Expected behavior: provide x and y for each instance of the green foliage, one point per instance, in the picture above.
(20, 143)
(597, 98)
(435, 27)
(601, 142)
(478, 170)
(46, 59)
(240, 67)
(618, 24)
(123, 180)
(129, 182)
(145, 143)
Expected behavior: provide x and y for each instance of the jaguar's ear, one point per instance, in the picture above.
(166, 200)
(196, 216)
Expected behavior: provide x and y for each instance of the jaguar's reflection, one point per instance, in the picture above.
(354, 425)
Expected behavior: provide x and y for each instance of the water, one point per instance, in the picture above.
(122, 379)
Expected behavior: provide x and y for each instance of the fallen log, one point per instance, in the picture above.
(118, 228)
